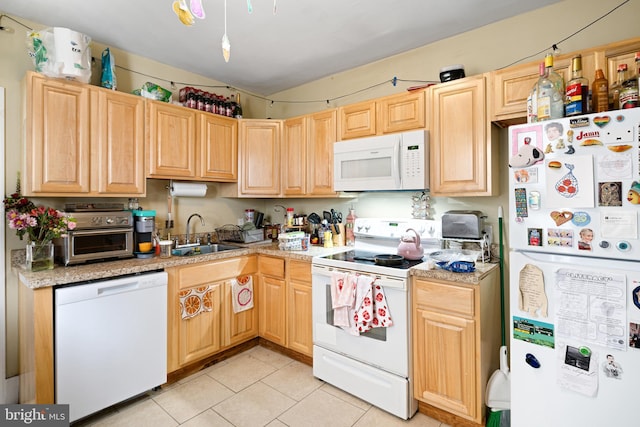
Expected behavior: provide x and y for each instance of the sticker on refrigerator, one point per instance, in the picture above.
(525, 175)
(633, 195)
(560, 238)
(610, 193)
(521, 203)
(526, 148)
(533, 331)
(611, 368)
(532, 298)
(634, 335)
(534, 236)
(585, 239)
(635, 295)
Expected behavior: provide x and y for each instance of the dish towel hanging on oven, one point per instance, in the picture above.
(242, 293)
(195, 301)
(370, 309)
(342, 297)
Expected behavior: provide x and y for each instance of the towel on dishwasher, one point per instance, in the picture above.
(195, 301)
(342, 297)
(242, 293)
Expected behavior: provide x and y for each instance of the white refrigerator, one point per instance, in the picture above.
(574, 262)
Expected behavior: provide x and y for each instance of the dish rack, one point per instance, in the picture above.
(233, 233)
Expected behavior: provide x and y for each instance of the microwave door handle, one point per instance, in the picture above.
(395, 163)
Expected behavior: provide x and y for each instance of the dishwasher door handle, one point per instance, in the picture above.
(118, 288)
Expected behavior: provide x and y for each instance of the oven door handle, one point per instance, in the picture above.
(95, 231)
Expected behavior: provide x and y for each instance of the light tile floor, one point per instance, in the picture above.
(258, 387)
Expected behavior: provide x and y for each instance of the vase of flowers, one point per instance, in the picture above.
(39, 256)
(40, 224)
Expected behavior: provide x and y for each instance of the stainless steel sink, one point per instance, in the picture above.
(202, 249)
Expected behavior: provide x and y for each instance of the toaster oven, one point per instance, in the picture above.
(98, 236)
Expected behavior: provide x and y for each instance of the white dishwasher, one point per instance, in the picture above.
(110, 341)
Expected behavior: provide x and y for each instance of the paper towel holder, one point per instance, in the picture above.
(187, 189)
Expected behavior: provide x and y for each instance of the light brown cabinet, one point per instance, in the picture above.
(82, 140)
(285, 303)
(299, 317)
(390, 114)
(259, 153)
(456, 337)
(463, 142)
(209, 332)
(218, 146)
(511, 85)
(307, 155)
(192, 145)
(171, 135)
(273, 299)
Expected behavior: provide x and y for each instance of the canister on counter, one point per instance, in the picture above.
(249, 215)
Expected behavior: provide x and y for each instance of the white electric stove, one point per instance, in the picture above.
(376, 365)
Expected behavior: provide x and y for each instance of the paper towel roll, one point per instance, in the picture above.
(188, 189)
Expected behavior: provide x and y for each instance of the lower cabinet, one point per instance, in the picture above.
(285, 303)
(273, 300)
(456, 341)
(207, 332)
(299, 326)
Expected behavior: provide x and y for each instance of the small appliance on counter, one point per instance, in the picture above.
(103, 231)
(460, 226)
(143, 233)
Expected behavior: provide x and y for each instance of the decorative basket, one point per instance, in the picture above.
(233, 233)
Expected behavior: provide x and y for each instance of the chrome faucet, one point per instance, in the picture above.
(188, 221)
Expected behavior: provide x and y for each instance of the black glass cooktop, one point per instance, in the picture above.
(357, 256)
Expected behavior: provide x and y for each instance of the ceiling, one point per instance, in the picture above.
(303, 41)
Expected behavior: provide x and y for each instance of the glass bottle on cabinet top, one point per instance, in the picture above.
(550, 92)
(577, 90)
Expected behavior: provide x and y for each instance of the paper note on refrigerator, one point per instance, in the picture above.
(591, 306)
(619, 224)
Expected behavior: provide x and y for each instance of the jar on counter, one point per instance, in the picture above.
(290, 217)
(249, 215)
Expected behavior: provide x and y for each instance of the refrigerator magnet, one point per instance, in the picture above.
(534, 236)
(636, 296)
(634, 335)
(526, 149)
(611, 368)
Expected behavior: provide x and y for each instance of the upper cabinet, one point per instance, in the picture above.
(390, 114)
(82, 140)
(171, 133)
(463, 160)
(218, 141)
(307, 155)
(511, 86)
(190, 144)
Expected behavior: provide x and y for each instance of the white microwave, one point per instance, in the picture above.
(382, 163)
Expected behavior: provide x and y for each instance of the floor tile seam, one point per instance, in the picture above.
(346, 401)
(166, 412)
(266, 362)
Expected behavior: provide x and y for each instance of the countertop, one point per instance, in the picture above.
(104, 270)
